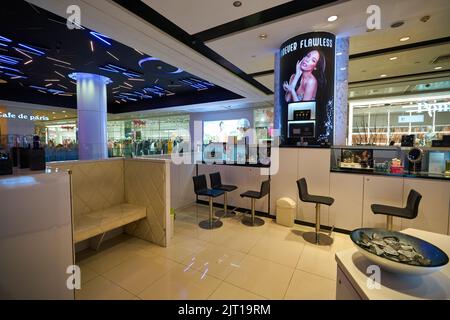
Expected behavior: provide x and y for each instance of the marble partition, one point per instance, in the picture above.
(147, 183)
(341, 91)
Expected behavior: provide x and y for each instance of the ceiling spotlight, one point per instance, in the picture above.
(397, 24)
(393, 58)
(332, 18)
(159, 67)
(425, 18)
(438, 68)
(263, 36)
(383, 75)
(64, 111)
(237, 4)
(402, 39)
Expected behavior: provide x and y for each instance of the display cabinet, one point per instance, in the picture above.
(425, 162)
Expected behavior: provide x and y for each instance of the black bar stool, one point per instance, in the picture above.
(201, 189)
(255, 221)
(318, 200)
(409, 212)
(216, 183)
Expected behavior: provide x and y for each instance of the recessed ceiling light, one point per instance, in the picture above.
(437, 68)
(425, 18)
(393, 58)
(332, 18)
(53, 112)
(237, 4)
(402, 39)
(383, 75)
(63, 111)
(397, 24)
(263, 36)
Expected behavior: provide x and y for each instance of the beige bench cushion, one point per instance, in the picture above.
(98, 222)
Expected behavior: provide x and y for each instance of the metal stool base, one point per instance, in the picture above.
(257, 222)
(321, 239)
(206, 224)
(221, 214)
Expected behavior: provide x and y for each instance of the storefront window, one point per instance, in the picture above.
(263, 119)
(383, 122)
(139, 137)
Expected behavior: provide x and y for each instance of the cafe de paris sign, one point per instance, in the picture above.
(22, 116)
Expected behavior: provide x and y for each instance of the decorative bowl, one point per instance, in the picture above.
(398, 252)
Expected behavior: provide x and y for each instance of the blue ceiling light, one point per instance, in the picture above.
(132, 75)
(3, 45)
(177, 71)
(115, 67)
(203, 82)
(108, 69)
(15, 76)
(32, 50)
(146, 60)
(9, 59)
(4, 39)
(38, 88)
(100, 37)
(10, 69)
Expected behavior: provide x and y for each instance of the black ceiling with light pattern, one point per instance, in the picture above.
(38, 52)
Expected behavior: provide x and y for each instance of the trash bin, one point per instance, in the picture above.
(286, 211)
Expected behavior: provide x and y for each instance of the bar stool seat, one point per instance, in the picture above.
(216, 183)
(409, 212)
(255, 221)
(318, 200)
(201, 189)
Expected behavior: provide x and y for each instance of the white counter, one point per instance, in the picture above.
(352, 277)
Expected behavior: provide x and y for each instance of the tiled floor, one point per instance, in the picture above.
(234, 262)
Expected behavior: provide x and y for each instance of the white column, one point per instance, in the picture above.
(91, 105)
(341, 91)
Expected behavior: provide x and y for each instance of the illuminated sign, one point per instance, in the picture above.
(21, 116)
(412, 118)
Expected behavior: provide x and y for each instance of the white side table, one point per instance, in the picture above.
(352, 276)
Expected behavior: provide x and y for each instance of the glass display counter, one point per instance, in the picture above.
(393, 161)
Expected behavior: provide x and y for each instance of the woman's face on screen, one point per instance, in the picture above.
(309, 62)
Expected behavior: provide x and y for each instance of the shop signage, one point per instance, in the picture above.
(412, 118)
(433, 107)
(306, 76)
(21, 116)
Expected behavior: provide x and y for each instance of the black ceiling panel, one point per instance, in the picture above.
(38, 52)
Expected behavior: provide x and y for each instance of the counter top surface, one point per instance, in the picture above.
(397, 286)
(420, 175)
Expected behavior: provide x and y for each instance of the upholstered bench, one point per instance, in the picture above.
(112, 194)
(99, 222)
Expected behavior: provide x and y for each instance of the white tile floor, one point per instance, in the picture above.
(234, 262)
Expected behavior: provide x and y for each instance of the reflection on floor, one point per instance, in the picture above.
(234, 262)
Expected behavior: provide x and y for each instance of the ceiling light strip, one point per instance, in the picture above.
(60, 61)
(100, 37)
(23, 53)
(112, 55)
(4, 39)
(59, 74)
(35, 51)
